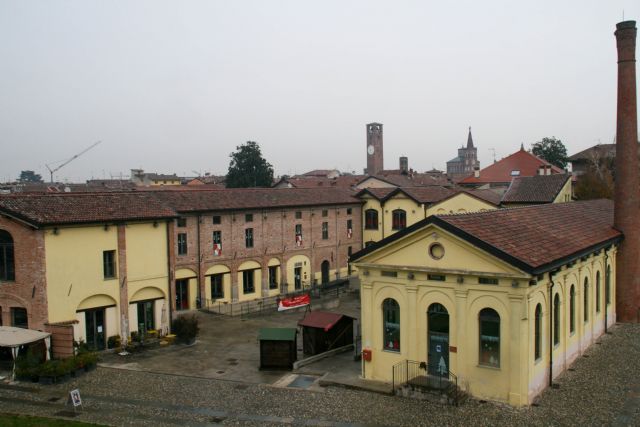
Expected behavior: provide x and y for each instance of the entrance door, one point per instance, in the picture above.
(297, 278)
(438, 339)
(324, 268)
(146, 316)
(95, 333)
(182, 294)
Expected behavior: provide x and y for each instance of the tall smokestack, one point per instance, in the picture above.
(627, 197)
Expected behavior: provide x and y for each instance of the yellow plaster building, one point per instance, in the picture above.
(102, 265)
(500, 301)
(388, 210)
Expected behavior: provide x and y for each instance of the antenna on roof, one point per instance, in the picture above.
(493, 150)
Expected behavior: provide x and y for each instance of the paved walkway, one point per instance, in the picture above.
(601, 390)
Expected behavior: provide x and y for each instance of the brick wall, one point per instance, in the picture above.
(29, 288)
(273, 237)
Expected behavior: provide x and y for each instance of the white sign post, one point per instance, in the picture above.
(74, 399)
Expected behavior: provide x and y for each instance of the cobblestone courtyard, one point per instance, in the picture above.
(602, 389)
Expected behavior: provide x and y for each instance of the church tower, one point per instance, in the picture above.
(375, 162)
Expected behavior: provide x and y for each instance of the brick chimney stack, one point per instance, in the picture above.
(627, 197)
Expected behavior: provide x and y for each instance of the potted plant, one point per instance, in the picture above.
(186, 328)
(113, 341)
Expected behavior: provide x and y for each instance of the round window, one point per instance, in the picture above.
(436, 250)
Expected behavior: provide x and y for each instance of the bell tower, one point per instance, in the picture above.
(375, 161)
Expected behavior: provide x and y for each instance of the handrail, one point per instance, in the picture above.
(421, 374)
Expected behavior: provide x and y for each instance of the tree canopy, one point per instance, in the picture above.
(29, 176)
(597, 182)
(248, 168)
(552, 150)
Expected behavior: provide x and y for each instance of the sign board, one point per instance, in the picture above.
(74, 398)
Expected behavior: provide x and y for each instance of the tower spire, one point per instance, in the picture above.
(469, 139)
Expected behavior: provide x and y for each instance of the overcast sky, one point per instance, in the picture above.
(175, 86)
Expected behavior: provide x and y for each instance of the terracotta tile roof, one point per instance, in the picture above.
(410, 180)
(539, 235)
(535, 189)
(488, 196)
(501, 172)
(73, 208)
(597, 151)
(535, 239)
(428, 194)
(345, 181)
(321, 319)
(254, 198)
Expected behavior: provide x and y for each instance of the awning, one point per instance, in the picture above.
(15, 337)
(321, 319)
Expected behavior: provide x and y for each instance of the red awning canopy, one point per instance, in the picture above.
(321, 319)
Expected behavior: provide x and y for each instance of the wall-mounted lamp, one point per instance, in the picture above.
(460, 279)
(55, 231)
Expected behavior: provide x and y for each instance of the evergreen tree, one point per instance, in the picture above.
(29, 176)
(552, 150)
(248, 168)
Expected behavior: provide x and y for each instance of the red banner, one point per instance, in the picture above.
(294, 302)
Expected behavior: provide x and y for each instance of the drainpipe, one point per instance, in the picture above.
(382, 217)
(606, 285)
(198, 292)
(551, 329)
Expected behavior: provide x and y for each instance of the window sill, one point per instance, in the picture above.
(538, 360)
(495, 368)
(109, 279)
(392, 351)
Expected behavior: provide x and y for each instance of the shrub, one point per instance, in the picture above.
(186, 328)
(113, 341)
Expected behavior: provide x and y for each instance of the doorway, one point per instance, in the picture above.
(324, 269)
(438, 340)
(94, 328)
(182, 294)
(146, 318)
(297, 278)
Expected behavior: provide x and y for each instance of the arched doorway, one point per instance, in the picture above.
(438, 340)
(324, 268)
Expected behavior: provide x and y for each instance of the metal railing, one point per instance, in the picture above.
(270, 304)
(426, 377)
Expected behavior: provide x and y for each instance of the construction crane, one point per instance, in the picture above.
(66, 162)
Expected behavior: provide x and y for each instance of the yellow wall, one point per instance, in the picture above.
(226, 282)
(184, 273)
(306, 271)
(565, 194)
(460, 203)
(257, 281)
(147, 260)
(165, 182)
(371, 235)
(519, 377)
(414, 211)
(74, 268)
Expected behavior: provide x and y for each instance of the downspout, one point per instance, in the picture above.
(200, 278)
(607, 285)
(551, 328)
(382, 216)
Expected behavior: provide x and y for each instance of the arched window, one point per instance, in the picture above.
(598, 292)
(489, 321)
(7, 262)
(586, 299)
(391, 324)
(399, 219)
(572, 309)
(371, 219)
(607, 286)
(538, 333)
(556, 319)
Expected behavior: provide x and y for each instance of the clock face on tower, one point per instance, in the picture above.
(370, 150)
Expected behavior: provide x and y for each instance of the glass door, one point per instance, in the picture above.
(95, 330)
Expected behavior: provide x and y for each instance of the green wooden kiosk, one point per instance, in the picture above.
(278, 348)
